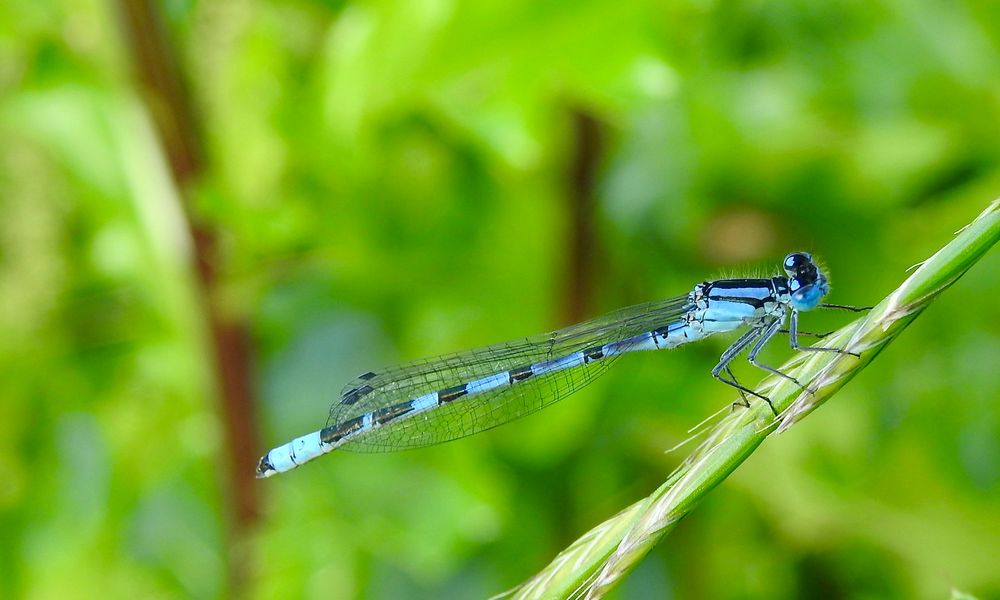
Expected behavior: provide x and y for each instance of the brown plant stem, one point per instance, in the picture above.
(155, 66)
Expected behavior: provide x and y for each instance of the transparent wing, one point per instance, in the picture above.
(478, 412)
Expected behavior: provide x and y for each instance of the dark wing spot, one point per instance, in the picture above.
(356, 394)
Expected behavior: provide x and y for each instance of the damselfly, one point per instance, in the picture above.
(439, 399)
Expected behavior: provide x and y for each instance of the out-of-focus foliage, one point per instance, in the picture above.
(390, 181)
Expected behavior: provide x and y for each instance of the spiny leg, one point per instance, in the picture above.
(769, 332)
(743, 395)
(807, 333)
(793, 338)
(846, 307)
(727, 357)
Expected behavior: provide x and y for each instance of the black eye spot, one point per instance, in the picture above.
(797, 262)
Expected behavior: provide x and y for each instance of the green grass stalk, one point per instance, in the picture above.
(597, 562)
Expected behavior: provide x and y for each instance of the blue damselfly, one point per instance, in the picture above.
(439, 399)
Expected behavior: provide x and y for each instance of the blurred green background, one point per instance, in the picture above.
(378, 181)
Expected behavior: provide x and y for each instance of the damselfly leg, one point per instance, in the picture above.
(799, 332)
(727, 357)
(769, 333)
(807, 333)
(793, 338)
(846, 307)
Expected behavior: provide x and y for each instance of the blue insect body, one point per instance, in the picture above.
(435, 400)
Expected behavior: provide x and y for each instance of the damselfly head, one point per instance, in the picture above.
(806, 282)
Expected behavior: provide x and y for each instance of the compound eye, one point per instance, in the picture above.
(796, 261)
